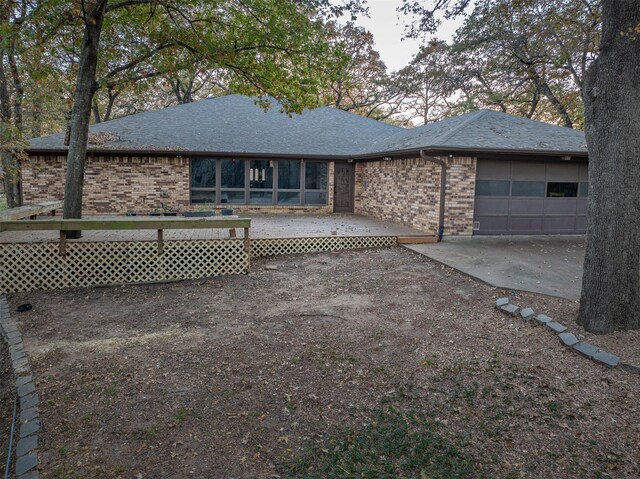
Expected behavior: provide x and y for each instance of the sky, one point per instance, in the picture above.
(387, 30)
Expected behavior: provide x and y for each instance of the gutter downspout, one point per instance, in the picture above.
(443, 186)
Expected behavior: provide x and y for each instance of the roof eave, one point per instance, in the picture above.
(180, 153)
(447, 150)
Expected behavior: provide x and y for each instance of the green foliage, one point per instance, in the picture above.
(359, 81)
(525, 57)
(394, 444)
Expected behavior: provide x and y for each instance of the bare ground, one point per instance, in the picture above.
(7, 397)
(239, 376)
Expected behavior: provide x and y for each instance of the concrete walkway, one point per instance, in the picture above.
(539, 264)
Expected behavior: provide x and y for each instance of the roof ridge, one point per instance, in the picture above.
(473, 117)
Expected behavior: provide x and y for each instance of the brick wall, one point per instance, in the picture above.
(408, 191)
(115, 185)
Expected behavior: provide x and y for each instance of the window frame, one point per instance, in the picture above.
(275, 190)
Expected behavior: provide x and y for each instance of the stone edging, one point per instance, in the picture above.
(29, 422)
(568, 339)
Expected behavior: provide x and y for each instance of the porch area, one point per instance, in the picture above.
(35, 255)
(263, 226)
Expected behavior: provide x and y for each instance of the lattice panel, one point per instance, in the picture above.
(29, 266)
(278, 246)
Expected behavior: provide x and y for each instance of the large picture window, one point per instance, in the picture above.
(289, 182)
(232, 181)
(203, 180)
(259, 181)
(316, 183)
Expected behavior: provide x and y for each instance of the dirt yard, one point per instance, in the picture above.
(7, 398)
(375, 363)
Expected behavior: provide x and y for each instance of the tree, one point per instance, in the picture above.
(610, 298)
(359, 81)
(268, 47)
(611, 283)
(539, 50)
(525, 57)
(427, 83)
(32, 84)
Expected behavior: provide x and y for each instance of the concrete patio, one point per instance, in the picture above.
(540, 264)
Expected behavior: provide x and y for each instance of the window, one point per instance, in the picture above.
(316, 176)
(492, 187)
(203, 180)
(259, 181)
(289, 175)
(232, 184)
(562, 190)
(527, 188)
(289, 182)
(584, 190)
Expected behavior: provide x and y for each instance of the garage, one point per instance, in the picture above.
(530, 196)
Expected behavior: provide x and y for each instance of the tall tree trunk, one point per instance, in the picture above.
(18, 97)
(81, 111)
(7, 160)
(611, 283)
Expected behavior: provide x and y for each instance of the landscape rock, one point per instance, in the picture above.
(543, 319)
(25, 389)
(585, 349)
(568, 339)
(26, 445)
(527, 313)
(608, 359)
(30, 475)
(501, 302)
(26, 463)
(23, 380)
(28, 402)
(511, 309)
(28, 414)
(557, 327)
(630, 368)
(18, 354)
(29, 428)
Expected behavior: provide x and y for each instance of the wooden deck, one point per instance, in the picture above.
(262, 227)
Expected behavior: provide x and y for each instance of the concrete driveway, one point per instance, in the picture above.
(539, 264)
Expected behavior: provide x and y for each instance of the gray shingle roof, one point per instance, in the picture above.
(485, 130)
(234, 123)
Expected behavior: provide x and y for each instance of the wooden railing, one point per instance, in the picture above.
(160, 225)
(31, 210)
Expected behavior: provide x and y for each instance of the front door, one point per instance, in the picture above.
(344, 188)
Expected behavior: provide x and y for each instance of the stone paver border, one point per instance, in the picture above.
(29, 421)
(568, 339)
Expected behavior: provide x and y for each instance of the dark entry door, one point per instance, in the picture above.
(344, 188)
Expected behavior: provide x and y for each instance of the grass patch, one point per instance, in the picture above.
(395, 444)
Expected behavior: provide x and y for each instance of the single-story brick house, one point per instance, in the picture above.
(503, 174)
